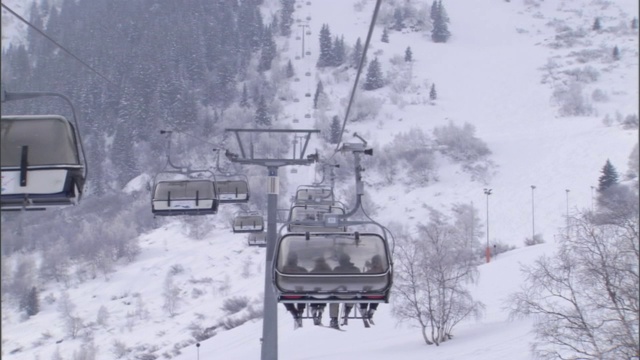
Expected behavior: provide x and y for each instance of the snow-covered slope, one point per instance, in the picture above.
(493, 73)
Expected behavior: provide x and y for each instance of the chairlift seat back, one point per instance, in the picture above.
(314, 194)
(40, 162)
(184, 197)
(310, 218)
(232, 191)
(258, 239)
(248, 224)
(365, 280)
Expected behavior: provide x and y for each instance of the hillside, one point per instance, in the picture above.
(498, 72)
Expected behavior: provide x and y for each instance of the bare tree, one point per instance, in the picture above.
(430, 277)
(171, 295)
(72, 322)
(586, 298)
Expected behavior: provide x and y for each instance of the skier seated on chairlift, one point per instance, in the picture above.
(291, 266)
(320, 266)
(344, 266)
(375, 266)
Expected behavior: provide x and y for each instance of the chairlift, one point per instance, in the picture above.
(313, 194)
(307, 94)
(308, 53)
(294, 170)
(298, 38)
(258, 239)
(372, 284)
(296, 100)
(295, 121)
(248, 223)
(308, 32)
(312, 218)
(308, 17)
(297, 57)
(41, 161)
(307, 116)
(184, 197)
(308, 73)
(233, 191)
(296, 79)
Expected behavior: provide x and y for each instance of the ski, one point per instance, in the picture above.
(365, 321)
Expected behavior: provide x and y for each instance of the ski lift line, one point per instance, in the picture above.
(57, 44)
(360, 66)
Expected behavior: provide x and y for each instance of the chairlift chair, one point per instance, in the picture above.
(248, 223)
(41, 163)
(314, 194)
(258, 239)
(184, 197)
(370, 285)
(232, 191)
(311, 218)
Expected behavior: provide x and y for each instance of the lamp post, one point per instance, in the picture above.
(303, 26)
(488, 251)
(533, 214)
(567, 191)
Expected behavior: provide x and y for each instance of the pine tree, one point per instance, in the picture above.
(338, 52)
(408, 54)
(262, 115)
(616, 53)
(319, 91)
(433, 94)
(30, 302)
(336, 127)
(290, 72)
(634, 23)
(268, 52)
(356, 55)
(385, 36)
(374, 76)
(286, 16)
(398, 19)
(325, 57)
(608, 178)
(440, 32)
(596, 25)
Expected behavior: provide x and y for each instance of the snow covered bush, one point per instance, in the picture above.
(460, 143)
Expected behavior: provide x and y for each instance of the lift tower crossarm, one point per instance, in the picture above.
(269, 350)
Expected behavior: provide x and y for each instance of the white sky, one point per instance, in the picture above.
(489, 75)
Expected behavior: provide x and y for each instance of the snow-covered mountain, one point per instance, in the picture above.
(499, 71)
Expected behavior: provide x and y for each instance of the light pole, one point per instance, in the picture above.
(533, 214)
(488, 251)
(567, 191)
(303, 26)
(592, 188)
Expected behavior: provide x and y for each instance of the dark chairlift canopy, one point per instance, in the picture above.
(41, 162)
(370, 284)
(184, 197)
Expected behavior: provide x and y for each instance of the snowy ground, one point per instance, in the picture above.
(490, 75)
